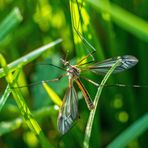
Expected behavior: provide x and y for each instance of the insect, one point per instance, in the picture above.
(69, 109)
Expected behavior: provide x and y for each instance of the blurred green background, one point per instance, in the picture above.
(114, 28)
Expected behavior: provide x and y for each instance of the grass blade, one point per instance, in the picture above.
(9, 126)
(97, 97)
(12, 20)
(7, 90)
(23, 108)
(52, 94)
(124, 19)
(131, 133)
(4, 97)
(29, 57)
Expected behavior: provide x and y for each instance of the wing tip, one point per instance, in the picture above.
(130, 59)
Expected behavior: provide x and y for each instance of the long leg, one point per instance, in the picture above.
(88, 100)
(89, 80)
(115, 85)
(84, 41)
(39, 83)
(90, 54)
(49, 64)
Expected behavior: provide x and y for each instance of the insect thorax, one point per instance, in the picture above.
(73, 72)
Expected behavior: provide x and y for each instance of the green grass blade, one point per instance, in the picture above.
(80, 19)
(52, 94)
(92, 113)
(131, 133)
(12, 20)
(124, 19)
(23, 108)
(7, 90)
(9, 126)
(4, 97)
(29, 57)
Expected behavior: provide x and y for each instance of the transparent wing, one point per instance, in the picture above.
(69, 111)
(127, 62)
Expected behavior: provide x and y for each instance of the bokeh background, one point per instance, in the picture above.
(112, 30)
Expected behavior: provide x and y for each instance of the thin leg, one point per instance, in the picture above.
(84, 41)
(90, 54)
(115, 85)
(39, 83)
(88, 100)
(56, 79)
(89, 80)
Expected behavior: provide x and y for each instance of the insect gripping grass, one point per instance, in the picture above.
(69, 109)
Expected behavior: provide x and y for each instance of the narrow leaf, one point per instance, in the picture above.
(97, 97)
(29, 57)
(52, 94)
(13, 19)
(131, 133)
(124, 19)
(4, 97)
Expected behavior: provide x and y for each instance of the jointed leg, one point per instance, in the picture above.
(39, 83)
(91, 81)
(76, 29)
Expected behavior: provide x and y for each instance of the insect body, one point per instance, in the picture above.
(69, 110)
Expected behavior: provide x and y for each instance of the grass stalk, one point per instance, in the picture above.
(12, 20)
(131, 133)
(96, 100)
(23, 108)
(29, 57)
(124, 19)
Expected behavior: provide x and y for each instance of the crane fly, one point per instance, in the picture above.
(69, 109)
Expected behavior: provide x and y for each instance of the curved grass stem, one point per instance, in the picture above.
(92, 113)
